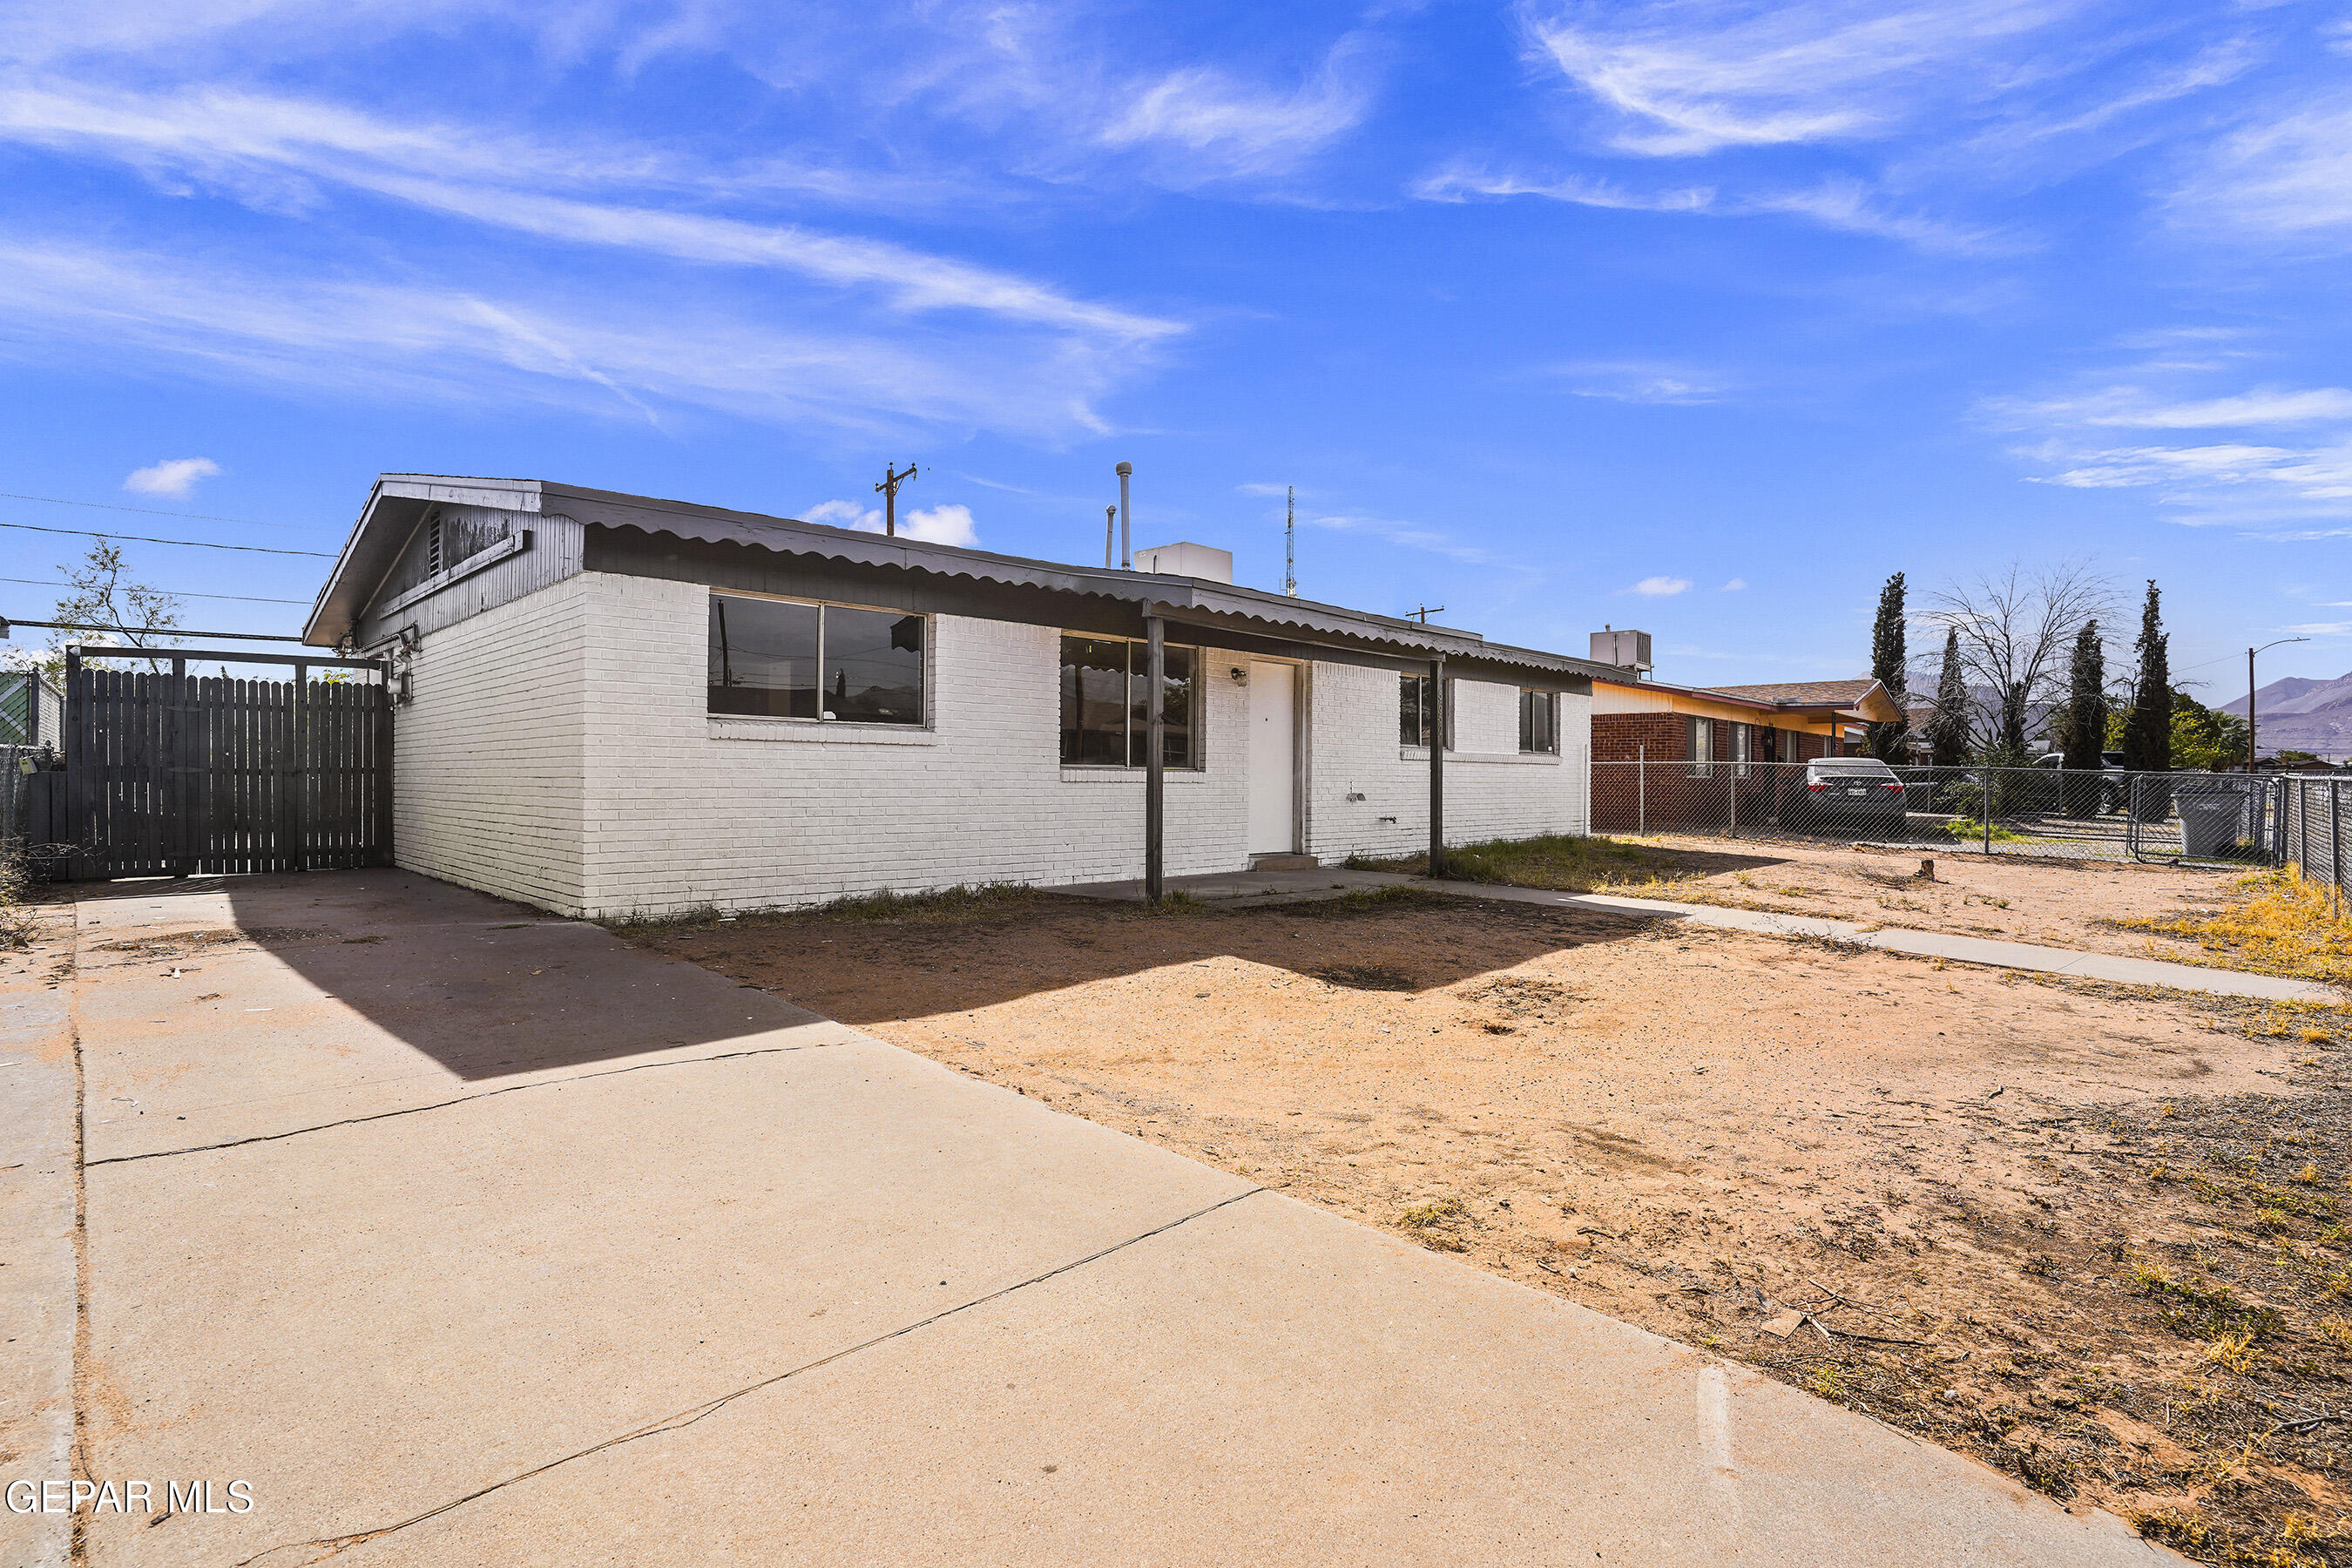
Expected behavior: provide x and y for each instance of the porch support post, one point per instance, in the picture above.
(1155, 768)
(1436, 739)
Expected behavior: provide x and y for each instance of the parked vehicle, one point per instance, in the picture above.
(1849, 797)
(2114, 782)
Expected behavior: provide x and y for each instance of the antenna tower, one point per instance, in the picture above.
(1290, 541)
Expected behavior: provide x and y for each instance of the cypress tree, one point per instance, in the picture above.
(1947, 728)
(2147, 729)
(1888, 655)
(2087, 721)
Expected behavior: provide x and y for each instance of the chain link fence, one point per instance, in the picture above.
(2196, 818)
(2315, 827)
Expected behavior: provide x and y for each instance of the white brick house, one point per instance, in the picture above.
(613, 704)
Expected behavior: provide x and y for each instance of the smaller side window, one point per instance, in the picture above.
(1743, 749)
(1540, 721)
(1702, 748)
(1414, 720)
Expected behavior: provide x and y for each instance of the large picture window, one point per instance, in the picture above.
(1540, 721)
(779, 658)
(1105, 712)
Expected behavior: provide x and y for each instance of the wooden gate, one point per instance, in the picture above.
(180, 774)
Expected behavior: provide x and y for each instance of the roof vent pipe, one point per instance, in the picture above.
(1125, 535)
(1110, 523)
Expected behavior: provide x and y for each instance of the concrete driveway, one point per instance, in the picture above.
(463, 1234)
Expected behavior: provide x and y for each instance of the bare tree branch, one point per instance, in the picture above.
(2015, 628)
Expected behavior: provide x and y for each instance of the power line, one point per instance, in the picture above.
(155, 511)
(192, 543)
(176, 592)
(148, 632)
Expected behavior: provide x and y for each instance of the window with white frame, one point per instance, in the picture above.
(791, 659)
(1540, 721)
(1106, 683)
(1702, 748)
(1743, 750)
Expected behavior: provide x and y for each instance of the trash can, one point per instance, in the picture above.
(2217, 815)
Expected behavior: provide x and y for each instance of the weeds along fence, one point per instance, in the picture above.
(2315, 827)
(2196, 818)
(17, 765)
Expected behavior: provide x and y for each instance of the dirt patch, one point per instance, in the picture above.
(2090, 1236)
(2079, 904)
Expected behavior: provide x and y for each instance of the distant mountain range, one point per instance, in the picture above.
(2301, 715)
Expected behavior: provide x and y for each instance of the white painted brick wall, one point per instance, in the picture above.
(559, 752)
(489, 759)
(1491, 792)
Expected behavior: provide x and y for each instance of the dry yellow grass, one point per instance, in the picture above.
(2285, 926)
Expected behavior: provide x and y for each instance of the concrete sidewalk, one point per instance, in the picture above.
(465, 1235)
(1244, 889)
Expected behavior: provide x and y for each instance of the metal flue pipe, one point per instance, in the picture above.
(1110, 523)
(1126, 533)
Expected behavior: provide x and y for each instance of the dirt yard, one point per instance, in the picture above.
(2093, 1237)
(2064, 903)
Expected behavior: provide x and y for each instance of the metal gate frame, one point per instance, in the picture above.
(178, 845)
(2265, 802)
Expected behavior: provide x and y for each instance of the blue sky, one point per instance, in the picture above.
(1700, 318)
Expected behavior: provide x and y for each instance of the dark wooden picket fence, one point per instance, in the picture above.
(179, 775)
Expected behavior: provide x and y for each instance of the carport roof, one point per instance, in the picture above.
(398, 501)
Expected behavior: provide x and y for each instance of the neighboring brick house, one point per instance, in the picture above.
(1717, 735)
(615, 704)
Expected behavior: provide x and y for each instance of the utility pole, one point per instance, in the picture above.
(2249, 697)
(1422, 614)
(1290, 541)
(888, 490)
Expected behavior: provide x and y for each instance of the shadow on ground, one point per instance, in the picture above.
(486, 987)
(825, 962)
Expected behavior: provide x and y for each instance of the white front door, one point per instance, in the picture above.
(1273, 813)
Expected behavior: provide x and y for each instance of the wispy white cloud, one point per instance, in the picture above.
(1736, 584)
(1659, 587)
(1231, 128)
(2130, 407)
(277, 151)
(1462, 180)
(2264, 490)
(1410, 536)
(175, 478)
(1841, 204)
(2285, 176)
(450, 343)
(1637, 381)
(1690, 77)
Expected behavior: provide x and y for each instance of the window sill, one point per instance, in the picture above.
(1519, 759)
(1105, 773)
(834, 732)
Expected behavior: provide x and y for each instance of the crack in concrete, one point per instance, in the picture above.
(78, 1540)
(444, 1104)
(678, 1420)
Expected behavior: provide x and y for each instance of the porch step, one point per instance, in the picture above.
(1283, 863)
